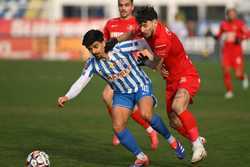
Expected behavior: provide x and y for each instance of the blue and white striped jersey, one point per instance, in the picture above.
(120, 70)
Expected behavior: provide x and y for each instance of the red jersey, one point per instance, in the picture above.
(231, 30)
(166, 45)
(117, 26)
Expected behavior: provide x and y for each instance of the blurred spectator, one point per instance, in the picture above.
(191, 28)
(179, 27)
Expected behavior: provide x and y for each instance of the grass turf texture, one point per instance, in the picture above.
(80, 134)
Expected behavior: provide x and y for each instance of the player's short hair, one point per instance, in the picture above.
(230, 9)
(132, 1)
(145, 13)
(92, 36)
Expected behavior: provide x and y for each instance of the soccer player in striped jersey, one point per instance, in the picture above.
(114, 28)
(131, 86)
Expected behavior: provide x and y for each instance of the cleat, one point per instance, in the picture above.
(203, 140)
(245, 82)
(199, 153)
(154, 140)
(180, 151)
(229, 95)
(141, 163)
(115, 140)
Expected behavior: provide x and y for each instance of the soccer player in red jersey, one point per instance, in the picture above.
(114, 28)
(183, 80)
(232, 31)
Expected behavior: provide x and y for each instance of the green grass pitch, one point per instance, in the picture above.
(80, 134)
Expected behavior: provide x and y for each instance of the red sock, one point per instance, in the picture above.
(136, 115)
(189, 124)
(228, 81)
(183, 132)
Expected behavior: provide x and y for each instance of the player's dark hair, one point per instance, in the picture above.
(145, 13)
(92, 36)
(132, 1)
(230, 9)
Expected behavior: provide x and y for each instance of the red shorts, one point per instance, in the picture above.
(190, 82)
(232, 57)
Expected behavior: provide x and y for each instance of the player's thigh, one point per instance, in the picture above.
(181, 100)
(186, 89)
(107, 95)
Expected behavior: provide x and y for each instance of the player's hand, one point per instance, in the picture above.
(110, 44)
(164, 72)
(61, 100)
(237, 41)
(141, 59)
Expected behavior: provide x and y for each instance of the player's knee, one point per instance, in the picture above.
(147, 115)
(118, 127)
(239, 75)
(178, 107)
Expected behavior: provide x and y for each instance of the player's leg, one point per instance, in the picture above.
(176, 124)
(239, 68)
(146, 102)
(226, 65)
(107, 96)
(136, 115)
(122, 106)
(180, 105)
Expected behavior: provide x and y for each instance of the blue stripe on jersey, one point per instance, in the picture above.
(128, 46)
(133, 75)
(138, 70)
(107, 73)
(111, 71)
(131, 85)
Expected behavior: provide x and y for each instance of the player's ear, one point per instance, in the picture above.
(154, 23)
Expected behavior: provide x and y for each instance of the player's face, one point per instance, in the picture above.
(148, 28)
(97, 49)
(231, 14)
(125, 8)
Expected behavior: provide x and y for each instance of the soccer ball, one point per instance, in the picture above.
(37, 158)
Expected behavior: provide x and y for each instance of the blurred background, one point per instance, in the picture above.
(52, 29)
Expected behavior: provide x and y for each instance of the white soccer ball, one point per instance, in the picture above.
(37, 158)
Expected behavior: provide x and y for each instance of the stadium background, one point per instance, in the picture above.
(80, 134)
(52, 29)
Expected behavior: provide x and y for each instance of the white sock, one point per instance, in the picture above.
(149, 129)
(197, 142)
(141, 156)
(171, 139)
